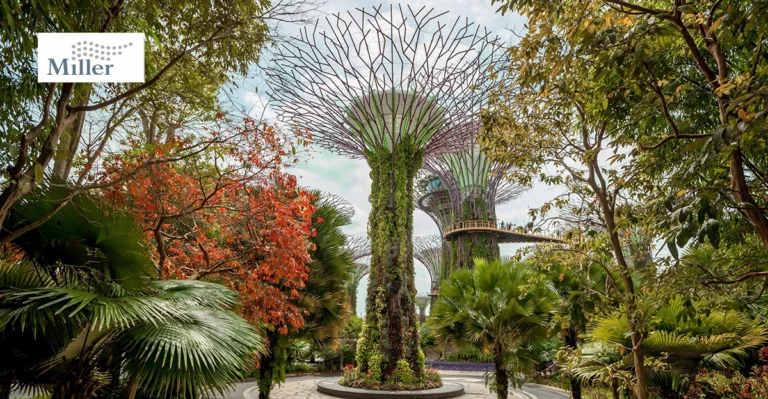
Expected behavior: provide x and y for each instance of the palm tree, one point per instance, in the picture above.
(494, 307)
(81, 304)
(679, 336)
(580, 287)
(324, 296)
(422, 301)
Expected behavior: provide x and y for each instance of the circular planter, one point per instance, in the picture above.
(331, 387)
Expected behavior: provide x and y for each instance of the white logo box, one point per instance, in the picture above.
(90, 57)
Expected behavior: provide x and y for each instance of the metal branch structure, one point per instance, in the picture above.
(471, 185)
(358, 247)
(429, 251)
(343, 206)
(422, 301)
(360, 269)
(391, 85)
(433, 197)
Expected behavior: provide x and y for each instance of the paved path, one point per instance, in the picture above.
(305, 388)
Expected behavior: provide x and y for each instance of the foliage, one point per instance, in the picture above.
(652, 117)
(230, 213)
(389, 311)
(470, 354)
(402, 378)
(681, 340)
(302, 368)
(496, 307)
(323, 299)
(717, 384)
(80, 303)
(192, 51)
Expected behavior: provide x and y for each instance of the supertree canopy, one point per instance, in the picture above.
(344, 207)
(360, 269)
(429, 251)
(473, 185)
(358, 247)
(391, 85)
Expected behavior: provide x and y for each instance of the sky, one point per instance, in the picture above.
(349, 178)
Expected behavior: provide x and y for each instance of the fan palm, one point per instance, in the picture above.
(494, 307)
(82, 303)
(682, 338)
(576, 286)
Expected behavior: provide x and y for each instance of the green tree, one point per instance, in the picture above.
(80, 304)
(661, 104)
(192, 50)
(494, 307)
(682, 339)
(580, 285)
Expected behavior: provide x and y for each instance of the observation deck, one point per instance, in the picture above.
(502, 236)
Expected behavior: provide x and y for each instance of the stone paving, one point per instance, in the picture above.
(306, 388)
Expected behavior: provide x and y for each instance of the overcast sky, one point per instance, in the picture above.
(349, 179)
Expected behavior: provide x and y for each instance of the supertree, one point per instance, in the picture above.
(390, 85)
(344, 207)
(359, 269)
(422, 301)
(358, 247)
(428, 250)
(471, 186)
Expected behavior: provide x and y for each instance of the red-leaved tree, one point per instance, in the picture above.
(229, 213)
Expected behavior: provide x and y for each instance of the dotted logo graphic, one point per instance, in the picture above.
(90, 57)
(84, 49)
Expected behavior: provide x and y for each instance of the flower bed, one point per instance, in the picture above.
(401, 379)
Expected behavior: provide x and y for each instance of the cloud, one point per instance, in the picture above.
(258, 107)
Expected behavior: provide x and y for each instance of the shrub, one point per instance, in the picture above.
(401, 379)
(717, 384)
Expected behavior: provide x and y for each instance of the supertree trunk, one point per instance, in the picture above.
(391, 324)
(353, 300)
(475, 245)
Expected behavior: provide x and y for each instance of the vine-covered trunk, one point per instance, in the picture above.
(473, 245)
(445, 260)
(353, 300)
(501, 377)
(391, 325)
(272, 365)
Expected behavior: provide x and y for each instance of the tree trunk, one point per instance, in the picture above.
(572, 340)
(391, 323)
(66, 150)
(575, 388)
(133, 386)
(741, 193)
(502, 379)
(267, 366)
(23, 180)
(609, 216)
(615, 389)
